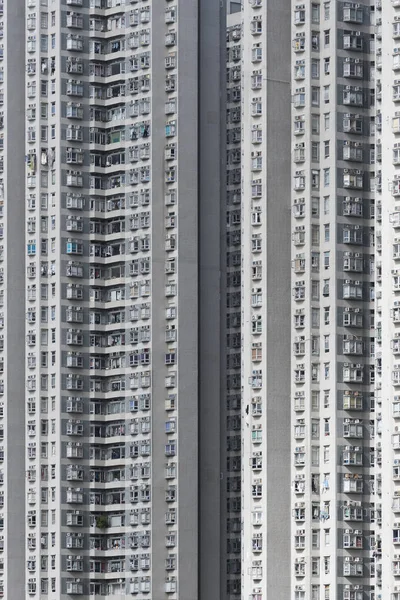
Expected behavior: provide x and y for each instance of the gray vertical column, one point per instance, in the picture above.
(188, 307)
(212, 22)
(278, 285)
(14, 346)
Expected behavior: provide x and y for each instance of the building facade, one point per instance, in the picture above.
(231, 258)
(265, 300)
(116, 203)
(210, 405)
(335, 486)
(387, 303)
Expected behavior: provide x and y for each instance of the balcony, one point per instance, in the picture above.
(74, 111)
(353, 179)
(353, 373)
(353, 97)
(353, 14)
(74, 179)
(74, 88)
(74, 450)
(74, 21)
(74, 496)
(74, 587)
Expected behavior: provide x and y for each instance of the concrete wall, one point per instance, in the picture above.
(278, 300)
(211, 33)
(14, 347)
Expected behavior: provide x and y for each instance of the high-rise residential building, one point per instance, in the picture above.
(231, 258)
(121, 114)
(336, 487)
(265, 300)
(387, 318)
(199, 271)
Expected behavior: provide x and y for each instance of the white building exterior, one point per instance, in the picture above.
(210, 400)
(387, 323)
(265, 306)
(120, 180)
(335, 486)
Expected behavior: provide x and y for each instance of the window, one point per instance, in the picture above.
(315, 407)
(326, 343)
(315, 290)
(326, 38)
(44, 44)
(327, 564)
(326, 143)
(315, 539)
(327, 232)
(315, 206)
(315, 179)
(327, 65)
(326, 93)
(315, 97)
(315, 122)
(315, 13)
(326, 315)
(315, 317)
(315, 68)
(326, 205)
(327, 175)
(315, 41)
(315, 151)
(326, 260)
